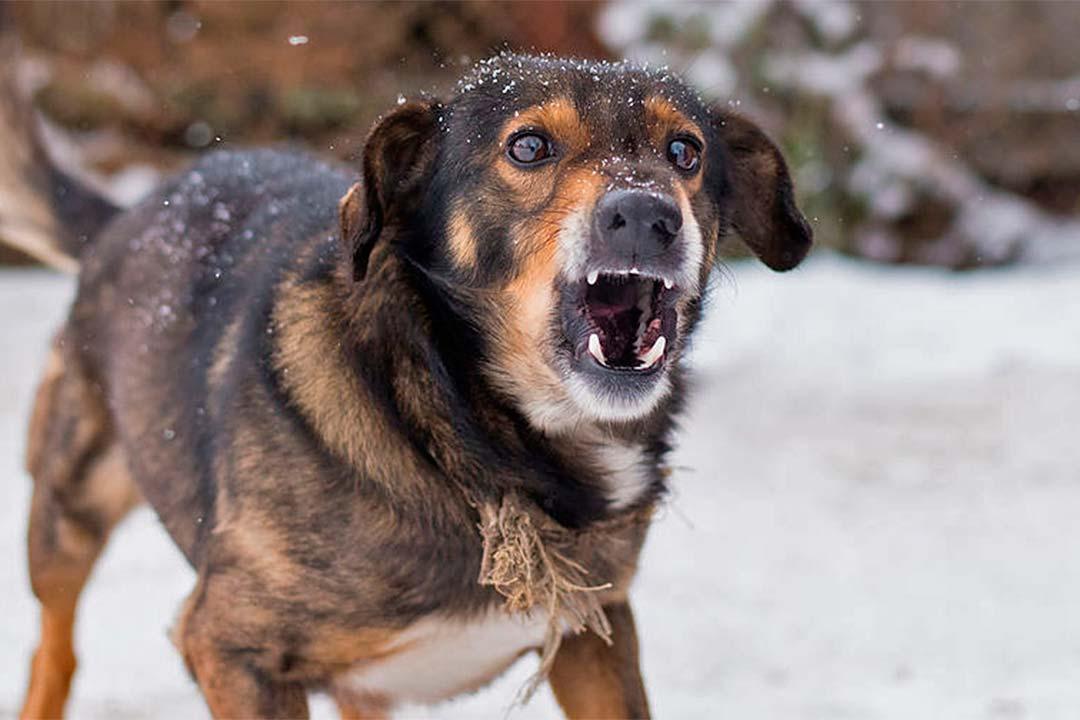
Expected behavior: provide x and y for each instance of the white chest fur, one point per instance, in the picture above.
(626, 472)
(436, 659)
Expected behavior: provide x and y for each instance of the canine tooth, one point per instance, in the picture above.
(593, 276)
(668, 284)
(595, 350)
(654, 354)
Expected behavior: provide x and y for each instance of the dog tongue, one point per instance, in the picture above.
(618, 331)
(650, 336)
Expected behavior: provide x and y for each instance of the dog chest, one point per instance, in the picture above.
(438, 658)
(626, 473)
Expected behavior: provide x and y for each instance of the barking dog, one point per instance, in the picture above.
(407, 421)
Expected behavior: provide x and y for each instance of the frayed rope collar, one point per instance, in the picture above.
(530, 560)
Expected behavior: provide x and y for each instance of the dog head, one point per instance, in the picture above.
(573, 210)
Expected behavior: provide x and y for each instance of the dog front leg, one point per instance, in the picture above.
(233, 679)
(592, 679)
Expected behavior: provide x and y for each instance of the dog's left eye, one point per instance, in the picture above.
(529, 148)
(684, 154)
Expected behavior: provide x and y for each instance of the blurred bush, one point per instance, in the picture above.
(162, 79)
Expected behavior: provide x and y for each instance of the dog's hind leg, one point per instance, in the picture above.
(81, 490)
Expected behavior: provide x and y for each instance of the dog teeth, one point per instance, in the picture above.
(653, 356)
(592, 277)
(668, 284)
(595, 350)
(634, 270)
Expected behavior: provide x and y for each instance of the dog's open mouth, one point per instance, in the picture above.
(629, 320)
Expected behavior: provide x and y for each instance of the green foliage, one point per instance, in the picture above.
(306, 110)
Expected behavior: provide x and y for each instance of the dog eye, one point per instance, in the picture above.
(529, 148)
(684, 154)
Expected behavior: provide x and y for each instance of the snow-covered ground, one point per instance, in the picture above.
(876, 511)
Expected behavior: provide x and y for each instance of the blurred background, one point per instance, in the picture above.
(920, 132)
(877, 484)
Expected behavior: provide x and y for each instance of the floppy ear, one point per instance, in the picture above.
(764, 213)
(397, 158)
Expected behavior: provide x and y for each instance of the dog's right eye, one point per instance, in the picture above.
(529, 148)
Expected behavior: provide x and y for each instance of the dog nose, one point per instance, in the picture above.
(637, 221)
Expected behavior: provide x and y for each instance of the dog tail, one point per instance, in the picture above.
(45, 212)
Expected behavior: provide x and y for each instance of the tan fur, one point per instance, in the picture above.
(214, 611)
(593, 679)
(462, 242)
(313, 370)
(71, 456)
(360, 706)
(521, 362)
(261, 550)
(344, 648)
(232, 692)
(230, 689)
(39, 415)
(223, 354)
(27, 220)
(558, 118)
(663, 120)
(350, 210)
(53, 666)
